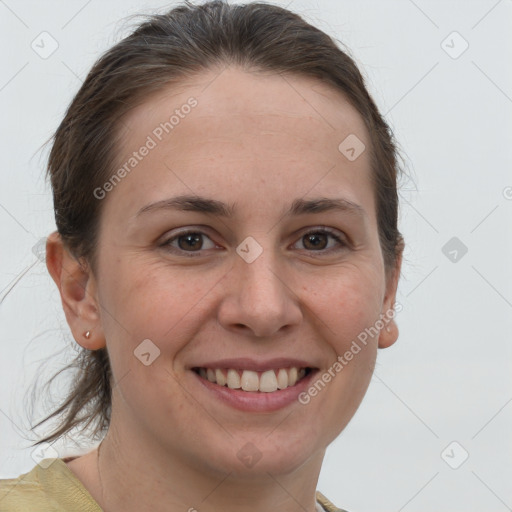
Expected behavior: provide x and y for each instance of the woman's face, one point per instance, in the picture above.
(245, 273)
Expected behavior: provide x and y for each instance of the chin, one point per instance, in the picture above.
(246, 459)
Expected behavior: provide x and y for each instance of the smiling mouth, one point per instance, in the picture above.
(247, 380)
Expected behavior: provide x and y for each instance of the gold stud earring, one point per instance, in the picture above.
(87, 334)
(388, 329)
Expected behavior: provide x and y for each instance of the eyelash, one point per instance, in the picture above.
(324, 231)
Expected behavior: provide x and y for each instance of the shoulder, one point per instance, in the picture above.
(48, 486)
(52, 486)
(326, 504)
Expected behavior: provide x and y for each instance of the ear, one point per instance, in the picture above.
(77, 287)
(389, 333)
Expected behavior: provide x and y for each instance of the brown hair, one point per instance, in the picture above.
(165, 49)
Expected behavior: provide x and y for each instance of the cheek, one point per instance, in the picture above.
(145, 299)
(149, 301)
(347, 307)
(346, 303)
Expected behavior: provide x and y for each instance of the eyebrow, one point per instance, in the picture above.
(300, 206)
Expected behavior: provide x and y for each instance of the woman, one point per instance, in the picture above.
(227, 255)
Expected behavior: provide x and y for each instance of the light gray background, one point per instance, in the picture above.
(448, 378)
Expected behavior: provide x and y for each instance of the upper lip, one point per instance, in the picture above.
(247, 363)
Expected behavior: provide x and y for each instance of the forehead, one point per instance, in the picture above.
(264, 98)
(251, 127)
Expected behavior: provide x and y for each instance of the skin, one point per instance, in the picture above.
(258, 141)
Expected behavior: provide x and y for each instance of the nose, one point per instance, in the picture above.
(259, 298)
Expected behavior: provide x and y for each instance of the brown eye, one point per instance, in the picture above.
(315, 241)
(322, 240)
(188, 242)
(192, 241)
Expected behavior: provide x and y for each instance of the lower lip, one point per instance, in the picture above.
(257, 401)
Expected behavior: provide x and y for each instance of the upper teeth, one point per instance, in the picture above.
(248, 380)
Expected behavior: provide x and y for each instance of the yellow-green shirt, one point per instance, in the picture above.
(52, 487)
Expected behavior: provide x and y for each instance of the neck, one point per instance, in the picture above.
(143, 477)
